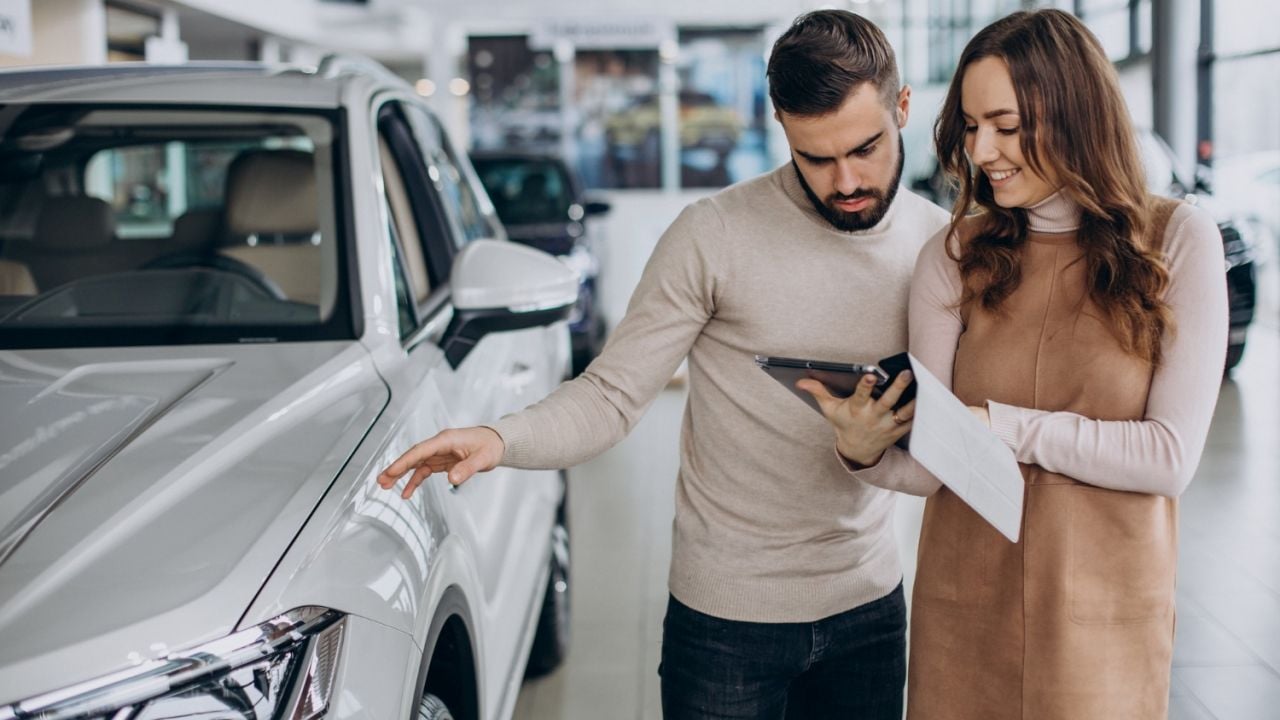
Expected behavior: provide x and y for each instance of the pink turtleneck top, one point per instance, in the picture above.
(1157, 454)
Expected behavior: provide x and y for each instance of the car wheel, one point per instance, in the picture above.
(433, 708)
(551, 640)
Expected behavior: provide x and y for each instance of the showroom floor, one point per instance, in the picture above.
(1227, 657)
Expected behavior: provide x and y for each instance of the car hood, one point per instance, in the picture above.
(146, 494)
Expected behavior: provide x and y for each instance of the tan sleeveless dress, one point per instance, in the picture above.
(1075, 621)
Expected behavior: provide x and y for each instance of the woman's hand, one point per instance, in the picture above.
(865, 427)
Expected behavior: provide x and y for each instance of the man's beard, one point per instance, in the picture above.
(862, 219)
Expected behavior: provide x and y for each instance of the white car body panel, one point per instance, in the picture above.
(205, 498)
(254, 492)
(383, 683)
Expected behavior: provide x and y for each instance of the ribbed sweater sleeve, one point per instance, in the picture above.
(674, 299)
(1158, 454)
(934, 325)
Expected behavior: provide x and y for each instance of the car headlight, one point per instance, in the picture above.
(282, 669)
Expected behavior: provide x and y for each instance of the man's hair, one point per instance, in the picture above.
(823, 57)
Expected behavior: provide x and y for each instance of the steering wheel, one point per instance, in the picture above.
(225, 263)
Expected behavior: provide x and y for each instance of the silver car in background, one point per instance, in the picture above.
(229, 296)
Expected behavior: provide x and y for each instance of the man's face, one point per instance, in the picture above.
(850, 161)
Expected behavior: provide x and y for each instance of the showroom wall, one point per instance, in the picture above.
(64, 32)
(675, 97)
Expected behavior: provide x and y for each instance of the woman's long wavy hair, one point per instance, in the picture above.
(1072, 114)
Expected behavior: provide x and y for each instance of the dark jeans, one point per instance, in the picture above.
(850, 666)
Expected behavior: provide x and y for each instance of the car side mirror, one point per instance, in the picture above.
(596, 207)
(501, 286)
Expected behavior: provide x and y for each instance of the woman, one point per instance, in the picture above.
(1085, 321)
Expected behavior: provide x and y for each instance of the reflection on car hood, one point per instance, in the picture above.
(145, 494)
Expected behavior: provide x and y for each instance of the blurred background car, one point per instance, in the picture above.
(1164, 177)
(1239, 242)
(542, 204)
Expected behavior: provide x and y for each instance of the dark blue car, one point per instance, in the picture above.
(542, 204)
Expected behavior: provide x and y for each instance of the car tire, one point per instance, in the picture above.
(433, 708)
(551, 640)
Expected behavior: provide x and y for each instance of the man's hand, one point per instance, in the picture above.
(460, 453)
(865, 427)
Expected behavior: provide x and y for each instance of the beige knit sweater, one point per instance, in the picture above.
(769, 527)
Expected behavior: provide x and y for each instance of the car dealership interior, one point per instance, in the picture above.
(252, 253)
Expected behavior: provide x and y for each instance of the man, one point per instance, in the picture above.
(786, 595)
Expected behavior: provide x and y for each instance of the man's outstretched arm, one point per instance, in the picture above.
(675, 298)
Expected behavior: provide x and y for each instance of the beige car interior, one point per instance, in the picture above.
(15, 279)
(402, 221)
(272, 194)
(270, 221)
(72, 239)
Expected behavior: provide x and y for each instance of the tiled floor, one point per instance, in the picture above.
(1227, 657)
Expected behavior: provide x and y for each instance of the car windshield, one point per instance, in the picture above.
(526, 191)
(162, 225)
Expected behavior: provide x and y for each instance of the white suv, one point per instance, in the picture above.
(229, 296)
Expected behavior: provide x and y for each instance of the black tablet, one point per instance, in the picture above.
(841, 379)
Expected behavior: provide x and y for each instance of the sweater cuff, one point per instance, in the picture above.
(1007, 423)
(516, 439)
(861, 471)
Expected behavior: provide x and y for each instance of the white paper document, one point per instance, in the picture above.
(965, 455)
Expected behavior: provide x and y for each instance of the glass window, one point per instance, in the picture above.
(183, 226)
(515, 95)
(150, 186)
(406, 319)
(1241, 26)
(1247, 104)
(403, 223)
(1112, 21)
(949, 29)
(618, 128)
(467, 207)
(722, 106)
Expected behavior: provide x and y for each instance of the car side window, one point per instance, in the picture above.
(409, 274)
(427, 241)
(467, 207)
(407, 319)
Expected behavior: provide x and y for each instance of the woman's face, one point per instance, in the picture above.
(991, 137)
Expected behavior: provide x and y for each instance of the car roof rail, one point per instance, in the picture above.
(335, 64)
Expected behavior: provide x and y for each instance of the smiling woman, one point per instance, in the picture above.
(992, 137)
(1085, 322)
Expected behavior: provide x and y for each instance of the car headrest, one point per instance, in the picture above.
(196, 228)
(74, 222)
(272, 192)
